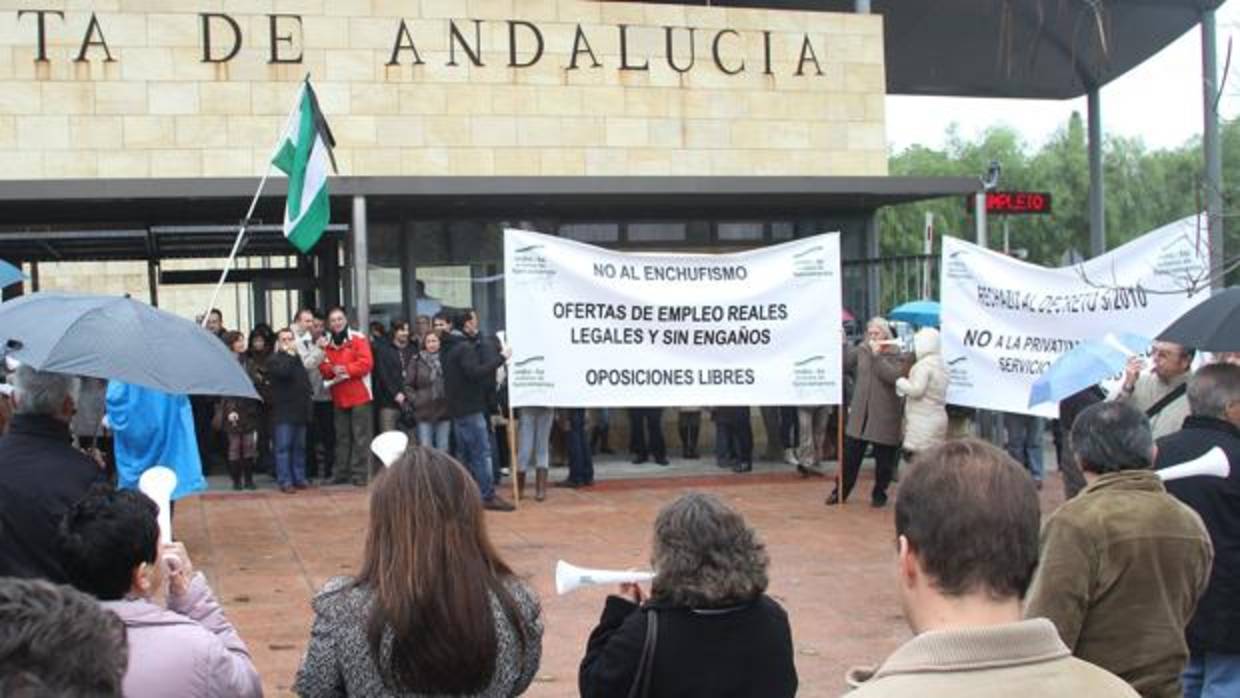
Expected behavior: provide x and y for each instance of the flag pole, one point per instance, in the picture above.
(245, 222)
(232, 256)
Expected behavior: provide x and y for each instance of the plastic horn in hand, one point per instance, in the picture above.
(1214, 463)
(158, 483)
(569, 577)
(389, 446)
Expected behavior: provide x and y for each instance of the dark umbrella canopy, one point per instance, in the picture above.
(1214, 325)
(120, 339)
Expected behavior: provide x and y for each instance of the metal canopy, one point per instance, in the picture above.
(50, 220)
(50, 244)
(1039, 49)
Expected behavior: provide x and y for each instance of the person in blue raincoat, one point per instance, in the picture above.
(152, 428)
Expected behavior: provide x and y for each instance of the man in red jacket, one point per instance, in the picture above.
(346, 368)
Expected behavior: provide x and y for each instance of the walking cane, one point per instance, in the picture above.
(839, 451)
(514, 466)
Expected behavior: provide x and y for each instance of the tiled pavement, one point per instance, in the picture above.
(265, 554)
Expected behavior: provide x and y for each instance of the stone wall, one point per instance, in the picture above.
(158, 110)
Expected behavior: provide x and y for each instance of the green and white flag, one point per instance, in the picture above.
(304, 154)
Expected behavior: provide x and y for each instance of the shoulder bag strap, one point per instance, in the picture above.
(645, 666)
(1166, 400)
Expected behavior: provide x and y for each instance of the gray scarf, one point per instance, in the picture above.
(432, 360)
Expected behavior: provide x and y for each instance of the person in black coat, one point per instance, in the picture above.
(468, 375)
(41, 475)
(290, 412)
(1069, 408)
(717, 634)
(1213, 633)
(393, 355)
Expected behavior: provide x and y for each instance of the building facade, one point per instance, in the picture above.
(133, 134)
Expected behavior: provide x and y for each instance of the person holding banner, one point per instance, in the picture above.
(647, 437)
(876, 413)
(534, 447)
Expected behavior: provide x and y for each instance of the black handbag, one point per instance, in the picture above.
(645, 667)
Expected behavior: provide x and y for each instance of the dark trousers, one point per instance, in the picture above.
(203, 408)
(580, 462)
(648, 435)
(739, 437)
(499, 452)
(885, 458)
(789, 427)
(723, 450)
(689, 424)
(321, 441)
(354, 429)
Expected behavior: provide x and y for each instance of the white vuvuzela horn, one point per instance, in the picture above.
(158, 483)
(569, 577)
(1213, 463)
(389, 446)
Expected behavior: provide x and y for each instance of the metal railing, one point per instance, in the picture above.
(900, 279)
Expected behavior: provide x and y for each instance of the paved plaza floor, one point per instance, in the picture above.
(266, 553)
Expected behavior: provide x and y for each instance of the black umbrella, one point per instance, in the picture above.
(1214, 325)
(120, 339)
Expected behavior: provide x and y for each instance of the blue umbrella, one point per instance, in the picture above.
(9, 274)
(1086, 364)
(920, 313)
(116, 338)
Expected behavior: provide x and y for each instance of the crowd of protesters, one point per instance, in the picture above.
(442, 381)
(1131, 587)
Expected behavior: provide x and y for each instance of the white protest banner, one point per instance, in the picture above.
(591, 327)
(1006, 321)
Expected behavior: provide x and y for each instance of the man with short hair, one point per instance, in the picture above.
(1123, 563)
(310, 341)
(967, 546)
(41, 474)
(392, 355)
(1214, 632)
(1160, 394)
(347, 364)
(441, 322)
(183, 646)
(57, 641)
(467, 375)
(421, 328)
(215, 322)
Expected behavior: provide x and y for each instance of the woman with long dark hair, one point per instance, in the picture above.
(708, 629)
(434, 610)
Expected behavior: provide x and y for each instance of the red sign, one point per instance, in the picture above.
(1014, 202)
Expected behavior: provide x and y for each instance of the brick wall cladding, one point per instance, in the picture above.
(159, 111)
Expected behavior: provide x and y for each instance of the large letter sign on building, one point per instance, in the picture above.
(591, 327)
(1006, 321)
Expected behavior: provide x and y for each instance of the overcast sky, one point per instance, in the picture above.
(1159, 100)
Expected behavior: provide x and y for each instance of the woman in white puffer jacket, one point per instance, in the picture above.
(925, 393)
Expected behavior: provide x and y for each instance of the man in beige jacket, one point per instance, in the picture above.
(967, 535)
(1162, 393)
